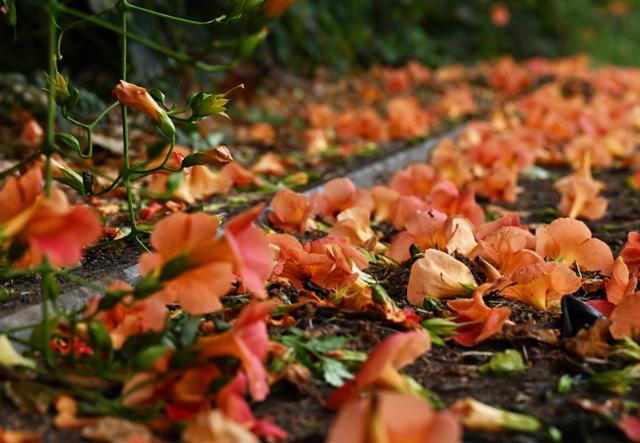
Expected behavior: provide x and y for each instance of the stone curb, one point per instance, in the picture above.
(364, 177)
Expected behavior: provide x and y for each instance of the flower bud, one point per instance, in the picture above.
(219, 155)
(203, 104)
(136, 97)
(61, 93)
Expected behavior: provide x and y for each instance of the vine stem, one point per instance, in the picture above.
(51, 105)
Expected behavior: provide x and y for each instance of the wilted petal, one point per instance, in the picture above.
(212, 426)
(291, 211)
(568, 241)
(625, 319)
(542, 284)
(251, 250)
(391, 417)
(619, 283)
(437, 275)
(631, 251)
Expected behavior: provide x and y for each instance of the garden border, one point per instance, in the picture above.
(364, 177)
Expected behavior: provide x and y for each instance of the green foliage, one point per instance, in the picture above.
(360, 32)
(323, 355)
(509, 362)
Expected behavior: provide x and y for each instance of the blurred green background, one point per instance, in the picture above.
(342, 34)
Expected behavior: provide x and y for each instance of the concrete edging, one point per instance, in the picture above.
(364, 177)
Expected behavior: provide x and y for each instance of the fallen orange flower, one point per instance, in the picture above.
(247, 340)
(250, 250)
(230, 400)
(631, 251)
(390, 417)
(437, 275)
(507, 249)
(44, 227)
(485, 321)
(625, 321)
(407, 119)
(354, 224)
(129, 317)
(269, 164)
(338, 271)
(446, 198)
(569, 241)
(580, 194)
(207, 274)
(406, 207)
(542, 285)
(232, 174)
(380, 370)
(340, 194)
(417, 180)
(433, 230)
(620, 283)
(291, 212)
(212, 426)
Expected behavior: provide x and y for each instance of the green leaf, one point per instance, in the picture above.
(148, 357)
(334, 372)
(327, 343)
(565, 383)
(508, 362)
(173, 183)
(68, 141)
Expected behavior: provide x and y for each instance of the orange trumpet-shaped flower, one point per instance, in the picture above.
(247, 340)
(569, 241)
(506, 249)
(384, 202)
(129, 317)
(437, 275)
(407, 119)
(250, 249)
(631, 251)
(270, 164)
(416, 180)
(342, 256)
(231, 400)
(542, 284)
(508, 219)
(275, 8)
(499, 15)
(232, 174)
(354, 224)
(406, 207)
(446, 198)
(211, 425)
(136, 97)
(207, 273)
(340, 194)
(432, 229)
(390, 417)
(625, 320)
(291, 212)
(580, 194)
(44, 227)
(485, 321)
(380, 370)
(621, 283)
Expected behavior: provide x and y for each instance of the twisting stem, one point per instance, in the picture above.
(174, 18)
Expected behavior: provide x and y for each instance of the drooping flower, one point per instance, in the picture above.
(381, 369)
(437, 275)
(485, 321)
(542, 285)
(136, 97)
(39, 227)
(247, 340)
(291, 212)
(390, 417)
(569, 241)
